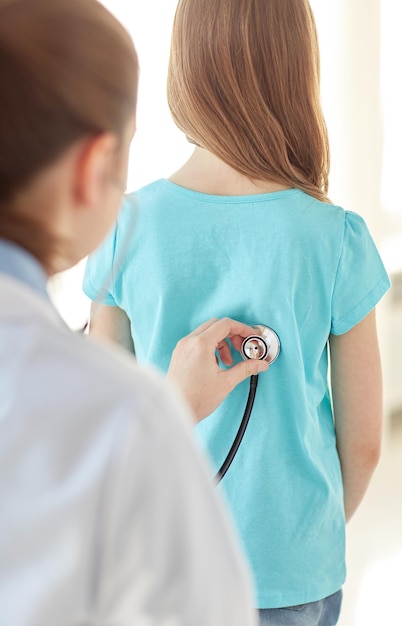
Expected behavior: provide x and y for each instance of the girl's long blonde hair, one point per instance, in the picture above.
(243, 83)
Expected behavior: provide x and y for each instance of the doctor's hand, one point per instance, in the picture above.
(194, 367)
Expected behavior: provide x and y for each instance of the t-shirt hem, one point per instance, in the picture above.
(268, 601)
(362, 309)
(93, 295)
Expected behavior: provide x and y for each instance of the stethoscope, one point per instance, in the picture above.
(265, 345)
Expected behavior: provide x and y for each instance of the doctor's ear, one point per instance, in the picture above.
(96, 168)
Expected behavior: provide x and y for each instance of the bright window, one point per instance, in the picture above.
(391, 91)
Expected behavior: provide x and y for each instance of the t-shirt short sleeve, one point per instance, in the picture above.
(98, 281)
(361, 278)
(105, 265)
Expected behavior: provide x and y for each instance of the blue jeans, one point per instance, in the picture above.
(322, 613)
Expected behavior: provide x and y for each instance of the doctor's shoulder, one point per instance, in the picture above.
(113, 374)
(121, 460)
(164, 485)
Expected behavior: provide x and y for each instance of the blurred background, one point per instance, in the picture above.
(361, 52)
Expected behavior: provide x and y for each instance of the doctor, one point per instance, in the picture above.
(108, 513)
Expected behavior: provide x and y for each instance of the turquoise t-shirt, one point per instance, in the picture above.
(284, 259)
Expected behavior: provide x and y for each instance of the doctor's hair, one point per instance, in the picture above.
(243, 83)
(68, 70)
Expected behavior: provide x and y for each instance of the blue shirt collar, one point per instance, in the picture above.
(20, 264)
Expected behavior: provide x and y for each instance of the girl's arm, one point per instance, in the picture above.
(111, 322)
(357, 399)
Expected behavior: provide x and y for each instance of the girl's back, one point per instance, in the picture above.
(283, 259)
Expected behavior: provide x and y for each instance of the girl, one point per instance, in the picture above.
(108, 514)
(245, 228)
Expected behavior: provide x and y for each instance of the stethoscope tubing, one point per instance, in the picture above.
(265, 345)
(241, 431)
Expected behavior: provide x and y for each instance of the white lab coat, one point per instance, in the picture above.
(108, 514)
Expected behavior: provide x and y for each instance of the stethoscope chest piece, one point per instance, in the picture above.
(262, 346)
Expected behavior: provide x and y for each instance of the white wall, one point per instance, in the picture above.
(159, 148)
